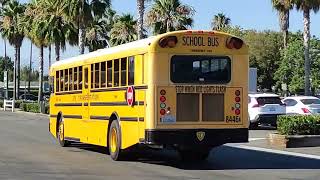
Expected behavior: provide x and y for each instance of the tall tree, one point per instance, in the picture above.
(283, 7)
(140, 22)
(39, 28)
(306, 6)
(2, 3)
(82, 13)
(220, 21)
(12, 28)
(124, 30)
(169, 15)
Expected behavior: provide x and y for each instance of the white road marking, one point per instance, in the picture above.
(276, 151)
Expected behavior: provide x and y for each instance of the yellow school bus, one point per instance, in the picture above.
(185, 90)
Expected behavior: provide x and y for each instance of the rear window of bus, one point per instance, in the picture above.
(200, 69)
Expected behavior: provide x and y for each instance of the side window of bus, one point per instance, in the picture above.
(80, 78)
(123, 71)
(109, 73)
(96, 75)
(66, 80)
(103, 75)
(86, 78)
(70, 79)
(92, 75)
(57, 82)
(75, 78)
(131, 71)
(61, 81)
(116, 73)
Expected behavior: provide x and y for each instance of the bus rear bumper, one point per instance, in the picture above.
(196, 137)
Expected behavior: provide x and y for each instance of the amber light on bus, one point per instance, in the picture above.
(170, 41)
(234, 43)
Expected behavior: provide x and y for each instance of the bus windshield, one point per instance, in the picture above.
(200, 69)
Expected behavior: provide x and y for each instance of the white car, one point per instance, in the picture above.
(302, 105)
(264, 108)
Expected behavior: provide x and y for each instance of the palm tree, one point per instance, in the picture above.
(140, 22)
(96, 34)
(12, 29)
(124, 30)
(169, 15)
(82, 13)
(306, 6)
(220, 21)
(2, 3)
(38, 33)
(283, 7)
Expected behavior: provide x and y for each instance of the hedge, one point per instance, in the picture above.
(33, 107)
(299, 125)
(1, 103)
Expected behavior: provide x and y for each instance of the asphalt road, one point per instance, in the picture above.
(28, 151)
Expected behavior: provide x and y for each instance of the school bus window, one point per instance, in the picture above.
(75, 78)
(103, 75)
(66, 75)
(123, 71)
(109, 74)
(86, 78)
(131, 71)
(200, 69)
(96, 75)
(57, 82)
(61, 81)
(80, 78)
(92, 75)
(70, 79)
(116, 73)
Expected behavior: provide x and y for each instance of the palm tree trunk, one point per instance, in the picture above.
(49, 56)
(285, 38)
(40, 93)
(18, 73)
(141, 8)
(5, 47)
(57, 50)
(82, 37)
(306, 44)
(284, 25)
(30, 69)
(14, 94)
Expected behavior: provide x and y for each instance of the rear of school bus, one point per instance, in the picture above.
(197, 92)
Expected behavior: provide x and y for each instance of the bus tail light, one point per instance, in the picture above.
(162, 112)
(237, 112)
(237, 99)
(234, 43)
(170, 41)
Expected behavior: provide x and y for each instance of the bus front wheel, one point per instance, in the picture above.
(194, 155)
(60, 135)
(114, 141)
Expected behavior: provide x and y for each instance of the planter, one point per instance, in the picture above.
(293, 141)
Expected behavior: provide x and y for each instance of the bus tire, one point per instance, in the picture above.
(60, 134)
(114, 141)
(194, 155)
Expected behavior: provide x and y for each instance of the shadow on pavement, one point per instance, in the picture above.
(221, 158)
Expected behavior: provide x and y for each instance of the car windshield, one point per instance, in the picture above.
(310, 101)
(269, 100)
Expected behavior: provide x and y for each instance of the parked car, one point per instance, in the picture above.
(302, 105)
(28, 97)
(264, 108)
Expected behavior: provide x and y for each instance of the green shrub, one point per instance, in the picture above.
(17, 103)
(30, 107)
(1, 103)
(299, 125)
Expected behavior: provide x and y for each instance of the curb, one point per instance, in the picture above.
(293, 141)
(30, 113)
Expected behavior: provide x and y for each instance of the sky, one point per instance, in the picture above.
(249, 14)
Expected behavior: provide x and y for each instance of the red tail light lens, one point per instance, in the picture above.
(237, 99)
(237, 111)
(305, 110)
(162, 112)
(163, 99)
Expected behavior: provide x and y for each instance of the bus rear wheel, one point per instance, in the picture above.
(60, 135)
(114, 141)
(194, 155)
